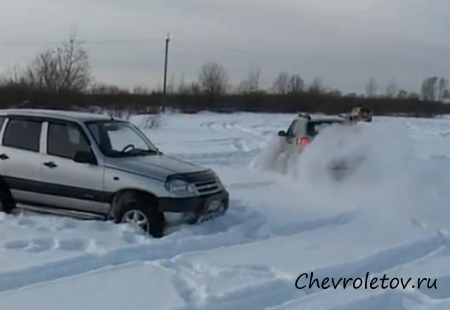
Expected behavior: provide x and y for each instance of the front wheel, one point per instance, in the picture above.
(7, 204)
(147, 219)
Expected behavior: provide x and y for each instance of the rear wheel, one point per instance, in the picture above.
(146, 218)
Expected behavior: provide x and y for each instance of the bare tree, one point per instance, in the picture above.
(65, 68)
(105, 89)
(296, 85)
(251, 84)
(141, 90)
(446, 95)
(316, 87)
(182, 87)
(171, 88)
(414, 96)
(335, 93)
(429, 88)
(442, 88)
(371, 88)
(195, 89)
(13, 76)
(392, 89)
(280, 85)
(402, 94)
(213, 79)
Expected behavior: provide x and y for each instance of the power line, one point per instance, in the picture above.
(121, 41)
(242, 51)
(245, 52)
(105, 41)
(141, 40)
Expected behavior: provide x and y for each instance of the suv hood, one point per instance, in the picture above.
(154, 166)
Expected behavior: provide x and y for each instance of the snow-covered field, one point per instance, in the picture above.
(390, 218)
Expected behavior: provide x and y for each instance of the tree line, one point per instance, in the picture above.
(62, 78)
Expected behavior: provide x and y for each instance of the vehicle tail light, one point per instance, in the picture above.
(304, 141)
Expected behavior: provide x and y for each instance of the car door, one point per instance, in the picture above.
(72, 185)
(2, 124)
(290, 132)
(20, 157)
(295, 132)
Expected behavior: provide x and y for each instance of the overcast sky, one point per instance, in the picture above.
(344, 42)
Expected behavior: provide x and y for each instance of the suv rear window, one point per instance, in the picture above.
(23, 134)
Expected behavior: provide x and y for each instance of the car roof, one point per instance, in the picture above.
(59, 114)
(323, 118)
(328, 119)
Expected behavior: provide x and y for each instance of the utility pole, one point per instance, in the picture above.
(165, 73)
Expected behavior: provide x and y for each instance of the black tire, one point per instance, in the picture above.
(155, 218)
(7, 203)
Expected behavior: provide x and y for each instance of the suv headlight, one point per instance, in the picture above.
(177, 186)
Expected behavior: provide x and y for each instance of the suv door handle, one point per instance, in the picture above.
(50, 164)
(4, 157)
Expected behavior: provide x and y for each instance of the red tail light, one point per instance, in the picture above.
(304, 141)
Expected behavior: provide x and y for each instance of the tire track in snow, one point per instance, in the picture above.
(219, 158)
(190, 291)
(51, 271)
(394, 300)
(239, 143)
(249, 132)
(241, 146)
(282, 290)
(208, 125)
(382, 260)
(398, 300)
(246, 232)
(219, 126)
(442, 290)
(198, 296)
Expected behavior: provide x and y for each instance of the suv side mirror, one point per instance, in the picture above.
(84, 157)
(282, 133)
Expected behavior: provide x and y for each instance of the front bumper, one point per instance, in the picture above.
(194, 209)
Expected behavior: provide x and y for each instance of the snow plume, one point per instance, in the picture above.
(272, 159)
(376, 154)
(385, 178)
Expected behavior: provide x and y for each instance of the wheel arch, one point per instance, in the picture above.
(127, 195)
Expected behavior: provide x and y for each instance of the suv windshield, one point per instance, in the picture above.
(120, 139)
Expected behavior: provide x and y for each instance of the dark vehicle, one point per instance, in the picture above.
(304, 128)
(361, 114)
(302, 132)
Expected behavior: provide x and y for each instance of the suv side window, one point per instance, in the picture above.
(65, 139)
(23, 134)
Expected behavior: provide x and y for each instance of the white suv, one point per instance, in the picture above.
(94, 166)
